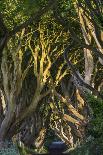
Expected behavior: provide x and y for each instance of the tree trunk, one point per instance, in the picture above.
(1, 110)
(6, 125)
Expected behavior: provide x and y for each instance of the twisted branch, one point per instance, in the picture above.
(77, 75)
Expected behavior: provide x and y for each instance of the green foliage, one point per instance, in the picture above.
(88, 148)
(95, 128)
(96, 104)
(96, 124)
(15, 12)
(94, 143)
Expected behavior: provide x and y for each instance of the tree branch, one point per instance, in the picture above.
(34, 18)
(67, 50)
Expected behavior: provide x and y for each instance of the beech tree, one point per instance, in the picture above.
(12, 74)
(88, 40)
(34, 71)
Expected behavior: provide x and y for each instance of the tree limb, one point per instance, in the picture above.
(67, 50)
(34, 18)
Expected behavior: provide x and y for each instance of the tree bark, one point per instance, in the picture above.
(6, 123)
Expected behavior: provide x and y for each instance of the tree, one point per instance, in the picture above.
(87, 39)
(33, 70)
(35, 47)
(11, 58)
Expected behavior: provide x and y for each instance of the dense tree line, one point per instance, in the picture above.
(51, 58)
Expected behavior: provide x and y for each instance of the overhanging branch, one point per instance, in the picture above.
(70, 65)
(34, 18)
